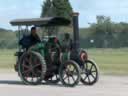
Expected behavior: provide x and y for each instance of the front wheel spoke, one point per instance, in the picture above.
(93, 76)
(64, 72)
(85, 69)
(68, 69)
(68, 80)
(89, 79)
(69, 66)
(85, 77)
(74, 70)
(56, 77)
(91, 67)
(93, 71)
(65, 77)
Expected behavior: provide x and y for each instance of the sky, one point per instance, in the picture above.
(88, 9)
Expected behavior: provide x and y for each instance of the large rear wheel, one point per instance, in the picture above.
(69, 73)
(89, 74)
(32, 68)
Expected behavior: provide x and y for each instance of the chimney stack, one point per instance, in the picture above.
(76, 30)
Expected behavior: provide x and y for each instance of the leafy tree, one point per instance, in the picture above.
(103, 31)
(47, 9)
(62, 8)
(59, 8)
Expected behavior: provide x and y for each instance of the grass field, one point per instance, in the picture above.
(110, 61)
(7, 59)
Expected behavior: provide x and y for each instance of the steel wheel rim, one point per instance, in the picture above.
(89, 73)
(70, 74)
(31, 72)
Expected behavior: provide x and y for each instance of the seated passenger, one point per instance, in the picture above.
(30, 40)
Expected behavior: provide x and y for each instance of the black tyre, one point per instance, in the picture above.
(32, 68)
(69, 73)
(89, 74)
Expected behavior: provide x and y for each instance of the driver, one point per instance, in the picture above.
(30, 40)
(34, 38)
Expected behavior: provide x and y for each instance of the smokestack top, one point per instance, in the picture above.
(75, 14)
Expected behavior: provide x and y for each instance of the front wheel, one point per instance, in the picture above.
(89, 74)
(69, 73)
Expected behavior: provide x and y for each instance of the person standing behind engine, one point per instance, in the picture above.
(67, 42)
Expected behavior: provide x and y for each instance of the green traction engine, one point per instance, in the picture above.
(53, 60)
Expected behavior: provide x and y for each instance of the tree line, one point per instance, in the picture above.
(107, 34)
(102, 34)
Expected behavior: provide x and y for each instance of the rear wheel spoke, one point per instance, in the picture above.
(26, 66)
(26, 60)
(36, 65)
(34, 73)
(73, 78)
(30, 59)
(39, 71)
(29, 70)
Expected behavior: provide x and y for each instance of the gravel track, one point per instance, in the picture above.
(10, 85)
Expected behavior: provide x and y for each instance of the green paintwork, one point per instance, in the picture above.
(65, 56)
(43, 47)
(39, 47)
